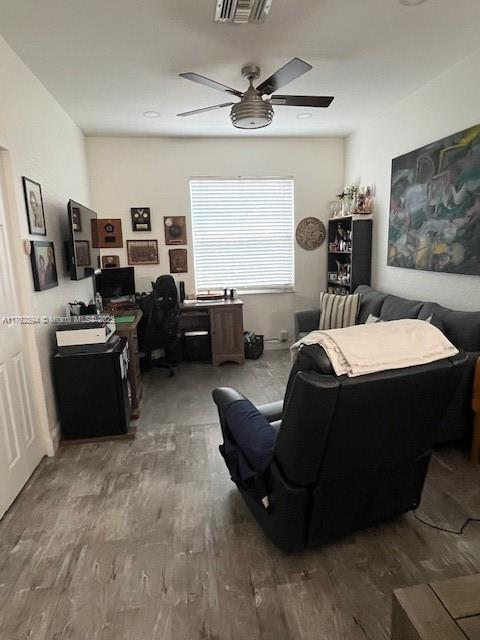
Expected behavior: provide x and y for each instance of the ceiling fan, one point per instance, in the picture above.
(254, 110)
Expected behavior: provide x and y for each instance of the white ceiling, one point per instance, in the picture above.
(108, 61)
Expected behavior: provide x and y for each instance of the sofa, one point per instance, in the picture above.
(462, 328)
(339, 453)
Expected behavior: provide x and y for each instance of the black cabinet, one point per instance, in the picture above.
(93, 392)
(349, 253)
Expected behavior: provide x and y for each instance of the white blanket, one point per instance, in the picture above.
(368, 348)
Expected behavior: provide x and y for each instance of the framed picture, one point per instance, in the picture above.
(34, 205)
(82, 252)
(178, 260)
(110, 262)
(44, 267)
(141, 220)
(107, 233)
(175, 230)
(142, 252)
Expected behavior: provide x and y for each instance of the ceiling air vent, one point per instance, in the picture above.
(242, 11)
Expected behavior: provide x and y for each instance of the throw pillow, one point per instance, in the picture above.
(373, 319)
(338, 311)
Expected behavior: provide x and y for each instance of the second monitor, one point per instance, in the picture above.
(116, 283)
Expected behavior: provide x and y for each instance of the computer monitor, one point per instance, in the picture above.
(82, 254)
(115, 282)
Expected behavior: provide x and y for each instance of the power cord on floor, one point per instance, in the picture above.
(456, 533)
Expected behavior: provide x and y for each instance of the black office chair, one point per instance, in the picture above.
(158, 327)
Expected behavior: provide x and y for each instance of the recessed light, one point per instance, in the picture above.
(304, 116)
(151, 114)
(412, 3)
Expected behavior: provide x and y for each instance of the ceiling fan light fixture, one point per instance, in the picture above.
(151, 114)
(251, 114)
(304, 116)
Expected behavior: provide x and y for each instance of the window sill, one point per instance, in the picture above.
(248, 292)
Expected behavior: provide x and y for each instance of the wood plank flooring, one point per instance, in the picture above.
(149, 540)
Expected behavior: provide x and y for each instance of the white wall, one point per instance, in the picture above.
(446, 105)
(40, 141)
(155, 172)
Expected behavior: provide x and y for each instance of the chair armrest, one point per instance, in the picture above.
(306, 321)
(225, 396)
(272, 411)
(246, 433)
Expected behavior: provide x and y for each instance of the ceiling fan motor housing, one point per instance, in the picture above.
(252, 112)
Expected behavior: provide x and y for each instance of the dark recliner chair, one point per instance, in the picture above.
(344, 453)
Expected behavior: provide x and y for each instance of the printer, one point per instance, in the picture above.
(86, 334)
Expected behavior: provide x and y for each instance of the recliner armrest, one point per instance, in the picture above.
(273, 411)
(306, 321)
(224, 396)
(249, 437)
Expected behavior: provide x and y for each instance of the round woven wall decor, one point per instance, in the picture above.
(310, 233)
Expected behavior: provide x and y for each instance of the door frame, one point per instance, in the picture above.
(24, 301)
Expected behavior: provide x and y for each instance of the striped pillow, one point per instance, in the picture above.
(338, 311)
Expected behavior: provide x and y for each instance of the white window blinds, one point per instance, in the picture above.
(243, 233)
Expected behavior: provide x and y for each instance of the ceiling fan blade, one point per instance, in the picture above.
(283, 76)
(195, 77)
(302, 101)
(217, 106)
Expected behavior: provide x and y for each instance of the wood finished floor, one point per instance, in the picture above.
(149, 540)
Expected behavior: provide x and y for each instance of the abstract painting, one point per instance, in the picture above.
(435, 206)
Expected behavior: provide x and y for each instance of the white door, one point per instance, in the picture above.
(20, 446)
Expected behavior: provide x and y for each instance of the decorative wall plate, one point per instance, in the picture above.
(310, 233)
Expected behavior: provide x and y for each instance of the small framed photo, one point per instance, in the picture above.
(141, 220)
(175, 230)
(82, 253)
(34, 205)
(142, 252)
(44, 267)
(110, 262)
(178, 260)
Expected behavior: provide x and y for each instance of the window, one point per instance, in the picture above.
(243, 233)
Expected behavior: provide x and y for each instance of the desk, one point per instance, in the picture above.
(128, 330)
(224, 320)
